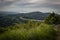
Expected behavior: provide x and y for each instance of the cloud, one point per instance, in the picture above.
(29, 4)
(25, 3)
(4, 3)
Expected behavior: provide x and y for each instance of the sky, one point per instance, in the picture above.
(30, 5)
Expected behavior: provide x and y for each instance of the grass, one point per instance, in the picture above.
(28, 31)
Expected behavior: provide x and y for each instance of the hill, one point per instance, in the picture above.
(9, 18)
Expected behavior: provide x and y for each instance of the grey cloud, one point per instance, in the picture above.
(53, 4)
(4, 3)
(26, 3)
(34, 5)
(49, 5)
(53, 0)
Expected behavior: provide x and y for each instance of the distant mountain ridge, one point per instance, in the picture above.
(34, 15)
(9, 18)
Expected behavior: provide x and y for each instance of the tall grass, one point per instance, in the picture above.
(41, 32)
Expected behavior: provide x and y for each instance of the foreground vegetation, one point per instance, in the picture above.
(34, 31)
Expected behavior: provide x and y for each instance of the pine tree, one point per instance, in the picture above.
(51, 18)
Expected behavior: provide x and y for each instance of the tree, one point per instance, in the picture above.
(51, 19)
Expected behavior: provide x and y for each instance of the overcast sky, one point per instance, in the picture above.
(30, 5)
